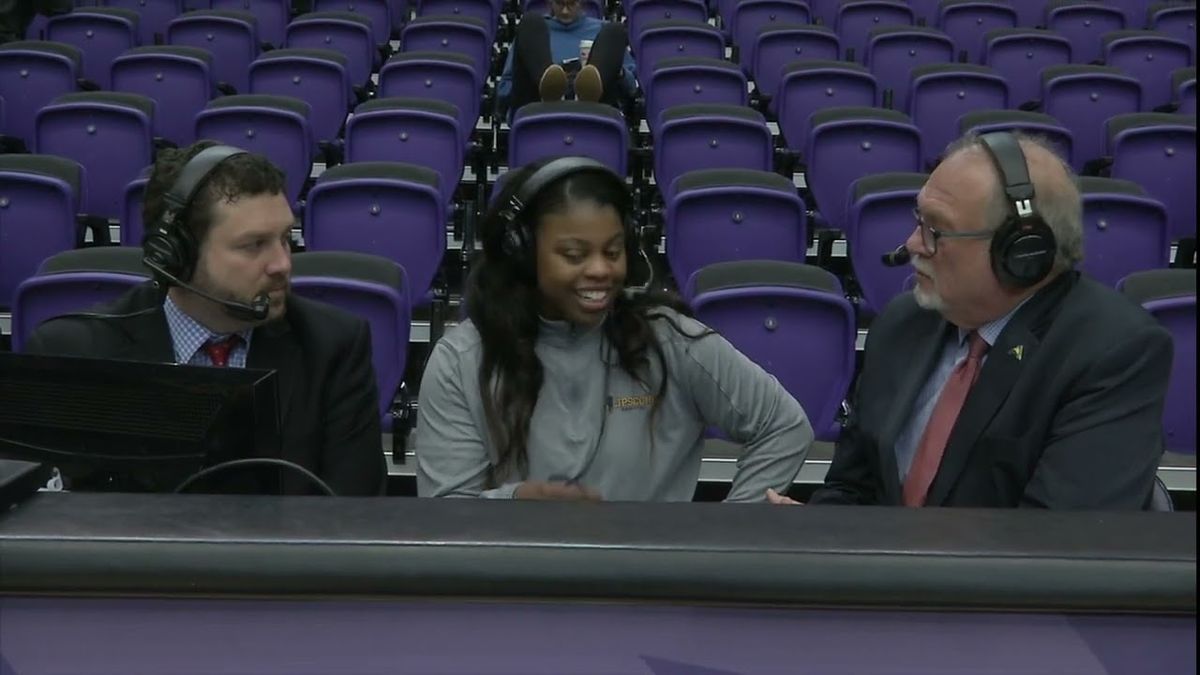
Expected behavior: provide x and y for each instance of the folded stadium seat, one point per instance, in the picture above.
(643, 12)
(941, 93)
(778, 45)
(1170, 297)
(153, 17)
(717, 215)
(545, 130)
(1082, 22)
(443, 76)
(485, 11)
(32, 74)
(893, 51)
(452, 35)
(968, 21)
(74, 281)
(231, 37)
(41, 195)
(709, 136)
(691, 80)
(1149, 56)
(272, 16)
(1081, 97)
(1174, 19)
(672, 39)
(1124, 231)
(1020, 55)
(179, 79)
(1032, 123)
(592, 8)
(133, 230)
(315, 76)
(101, 33)
(377, 11)
(879, 219)
(751, 16)
(845, 144)
(856, 19)
(390, 209)
(111, 134)
(765, 309)
(809, 86)
(277, 127)
(375, 289)
(416, 131)
(1183, 83)
(1158, 152)
(345, 32)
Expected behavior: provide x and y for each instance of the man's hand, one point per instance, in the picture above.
(776, 498)
(556, 491)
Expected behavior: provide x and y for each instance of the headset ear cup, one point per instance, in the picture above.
(1023, 252)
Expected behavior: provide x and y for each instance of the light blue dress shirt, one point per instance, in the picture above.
(189, 335)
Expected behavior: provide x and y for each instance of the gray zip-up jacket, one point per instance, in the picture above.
(592, 421)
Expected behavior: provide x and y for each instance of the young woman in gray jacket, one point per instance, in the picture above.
(564, 384)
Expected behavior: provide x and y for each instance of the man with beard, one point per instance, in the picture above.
(218, 242)
(1006, 379)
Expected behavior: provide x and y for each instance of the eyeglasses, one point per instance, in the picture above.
(930, 236)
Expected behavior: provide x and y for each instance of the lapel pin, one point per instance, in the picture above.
(1017, 352)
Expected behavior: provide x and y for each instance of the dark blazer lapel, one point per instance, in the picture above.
(1016, 346)
(147, 336)
(274, 347)
(915, 362)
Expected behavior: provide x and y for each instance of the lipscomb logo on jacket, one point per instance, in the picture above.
(630, 402)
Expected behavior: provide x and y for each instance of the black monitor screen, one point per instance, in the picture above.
(134, 426)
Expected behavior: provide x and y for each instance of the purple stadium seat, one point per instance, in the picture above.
(1158, 152)
(1150, 57)
(686, 81)
(101, 34)
(1032, 123)
(751, 16)
(1083, 22)
(968, 21)
(640, 13)
(418, 131)
(41, 195)
(1124, 231)
(179, 79)
(377, 11)
(857, 18)
(32, 74)
(672, 39)
(1020, 55)
(880, 216)
(709, 136)
(153, 16)
(441, 76)
(779, 45)
(893, 52)
(315, 76)
(230, 36)
(1081, 97)
(809, 86)
(344, 32)
(562, 128)
(941, 93)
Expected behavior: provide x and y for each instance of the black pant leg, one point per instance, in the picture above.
(608, 53)
(531, 57)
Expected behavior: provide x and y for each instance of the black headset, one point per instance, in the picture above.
(169, 245)
(518, 241)
(1023, 247)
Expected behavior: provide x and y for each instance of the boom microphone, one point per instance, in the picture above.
(257, 310)
(896, 258)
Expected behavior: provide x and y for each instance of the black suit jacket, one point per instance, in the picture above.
(322, 356)
(1066, 413)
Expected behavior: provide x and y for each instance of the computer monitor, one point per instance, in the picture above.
(139, 427)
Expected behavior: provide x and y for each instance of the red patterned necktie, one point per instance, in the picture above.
(937, 431)
(218, 350)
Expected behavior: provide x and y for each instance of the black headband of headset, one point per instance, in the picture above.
(552, 171)
(1009, 159)
(192, 176)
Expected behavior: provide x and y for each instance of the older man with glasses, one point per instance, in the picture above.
(1005, 379)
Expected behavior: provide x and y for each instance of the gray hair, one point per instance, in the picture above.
(1056, 201)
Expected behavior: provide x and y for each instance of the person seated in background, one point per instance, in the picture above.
(218, 241)
(564, 383)
(534, 69)
(1005, 379)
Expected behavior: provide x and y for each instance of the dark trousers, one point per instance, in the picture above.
(15, 15)
(531, 57)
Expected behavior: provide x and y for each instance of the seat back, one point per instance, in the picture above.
(110, 134)
(316, 76)
(1158, 152)
(968, 21)
(32, 74)
(373, 288)
(230, 36)
(485, 11)
(562, 128)
(857, 18)
(751, 16)
(377, 11)
(272, 16)
(640, 13)
(1124, 231)
(710, 136)
(893, 52)
(1175, 20)
(778, 45)
(133, 229)
(43, 297)
(1082, 23)
(718, 215)
(153, 16)
(423, 132)
(434, 75)
(178, 79)
(38, 217)
(810, 86)
(1081, 97)
(276, 127)
(388, 209)
(1020, 55)
(766, 308)
(941, 93)
(689, 81)
(674, 39)
(1170, 296)
(101, 33)
(845, 144)
(1150, 57)
(456, 35)
(880, 214)
(344, 32)
(1032, 123)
